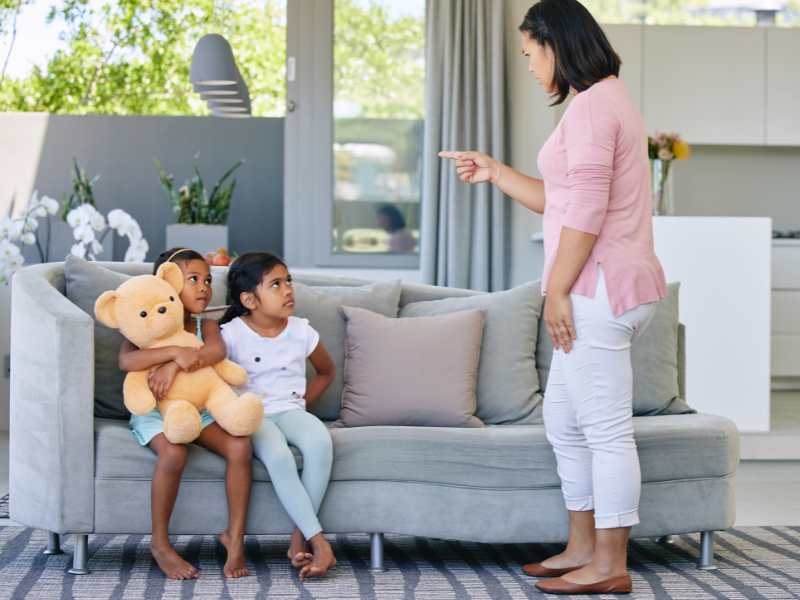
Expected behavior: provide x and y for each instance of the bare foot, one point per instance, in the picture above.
(171, 563)
(299, 550)
(322, 561)
(234, 565)
(592, 574)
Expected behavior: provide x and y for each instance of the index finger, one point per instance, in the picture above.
(451, 154)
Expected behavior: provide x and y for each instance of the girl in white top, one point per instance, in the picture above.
(263, 336)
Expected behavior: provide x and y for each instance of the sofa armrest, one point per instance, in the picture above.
(51, 454)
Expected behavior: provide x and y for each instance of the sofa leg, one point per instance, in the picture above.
(53, 543)
(80, 558)
(706, 561)
(665, 539)
(376, 552)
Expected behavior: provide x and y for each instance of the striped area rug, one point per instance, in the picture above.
(753, 563)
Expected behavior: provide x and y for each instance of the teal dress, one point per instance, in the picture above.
(145, 427)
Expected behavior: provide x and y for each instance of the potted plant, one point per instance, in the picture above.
(202, 215)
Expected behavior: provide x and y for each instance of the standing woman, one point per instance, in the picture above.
(601, 280)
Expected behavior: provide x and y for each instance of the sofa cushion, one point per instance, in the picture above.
(508, 384)
(320, 305)
(654, 358)
(495, 457)
(119, 456)
(416, 371)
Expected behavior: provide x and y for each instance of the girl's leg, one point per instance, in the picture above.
(163, 491)
(309, 435)
(238, 455)
(306, 432)
(272, 448)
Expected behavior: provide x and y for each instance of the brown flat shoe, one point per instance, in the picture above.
(616, 585)
(539, 570)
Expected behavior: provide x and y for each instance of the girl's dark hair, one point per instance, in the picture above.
(583, 54)
(244, 275)
(176, 255)
(394, 216)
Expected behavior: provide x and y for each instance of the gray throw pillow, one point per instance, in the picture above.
(84, 282)
(418, 371)
(654, 358)
(320, 305)
(508, 384)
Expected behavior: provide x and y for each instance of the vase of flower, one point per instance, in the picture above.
(663, 149)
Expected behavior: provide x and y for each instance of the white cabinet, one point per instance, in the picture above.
(706, 83)
(785, 313)
(722, 265)
(627, 42)
(783, 87)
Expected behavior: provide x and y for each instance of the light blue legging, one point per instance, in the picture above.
(301, 497)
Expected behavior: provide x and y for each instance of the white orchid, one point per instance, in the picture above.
(8, 250)
(137, 251)
(50, 204)
(89, 228)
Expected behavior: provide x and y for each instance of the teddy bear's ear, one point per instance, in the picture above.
(172, 274)
(104, 309)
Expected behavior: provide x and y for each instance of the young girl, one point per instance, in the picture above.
(164, 364)
(272, 345)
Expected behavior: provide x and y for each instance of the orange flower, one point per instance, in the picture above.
(681, 150)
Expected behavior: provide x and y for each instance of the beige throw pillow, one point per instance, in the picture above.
(417, 371)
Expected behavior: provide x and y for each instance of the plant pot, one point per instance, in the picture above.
(201, 238)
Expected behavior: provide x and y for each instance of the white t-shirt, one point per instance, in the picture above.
(276, 367)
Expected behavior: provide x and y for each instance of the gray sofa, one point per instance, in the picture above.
(72, 473)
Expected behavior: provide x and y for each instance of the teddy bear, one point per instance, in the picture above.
(148, 312)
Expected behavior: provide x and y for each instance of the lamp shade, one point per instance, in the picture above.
(217, 90)
(212, 62)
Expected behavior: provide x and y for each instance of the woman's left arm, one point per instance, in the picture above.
(574, 248)
(213, 350)
(326, 371)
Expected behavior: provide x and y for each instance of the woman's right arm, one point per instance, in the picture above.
(132, 358)
(474, 167)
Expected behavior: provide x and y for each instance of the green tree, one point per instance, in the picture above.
(133, 57)
(379, 61)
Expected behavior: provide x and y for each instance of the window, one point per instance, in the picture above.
(379, 77)
(354, 132)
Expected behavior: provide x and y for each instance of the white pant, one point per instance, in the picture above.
(588, 411)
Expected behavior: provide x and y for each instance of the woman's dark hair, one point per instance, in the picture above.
(176, 255)
(244, 275)
(583, 55)
(394, 216)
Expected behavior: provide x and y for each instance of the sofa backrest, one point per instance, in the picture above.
(410, 292)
